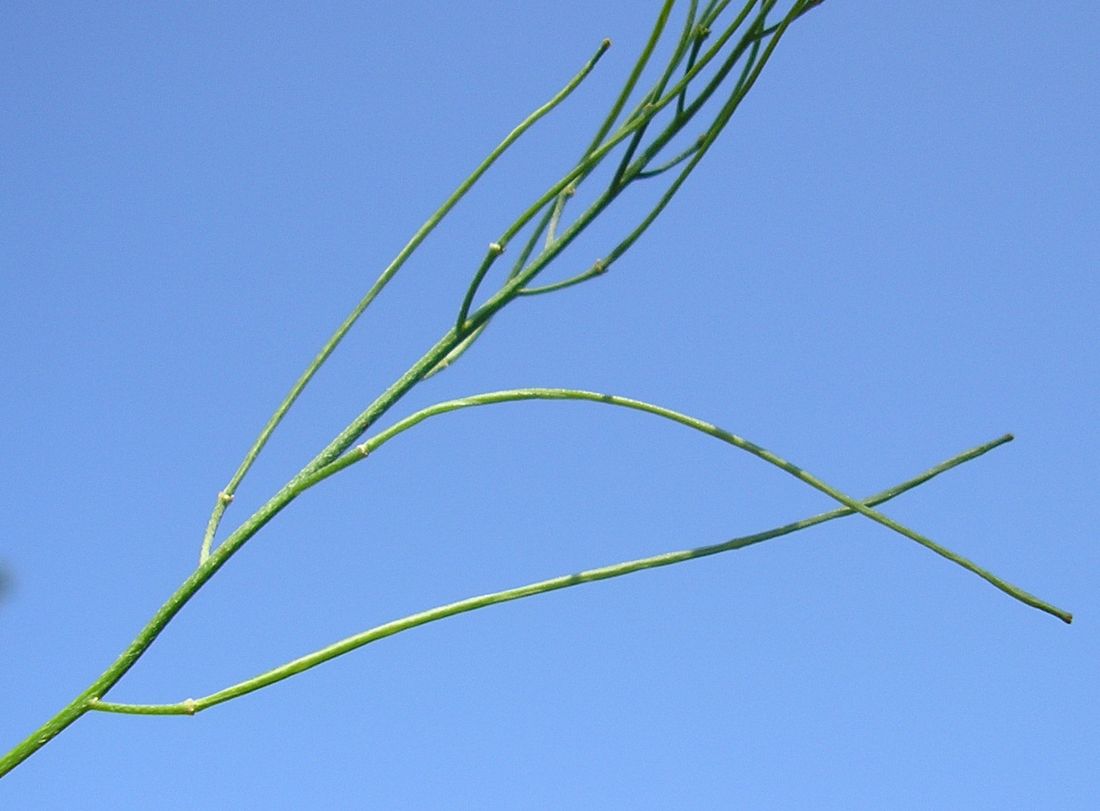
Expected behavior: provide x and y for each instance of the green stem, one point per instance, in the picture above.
(586, 165)
(636, 122)
(513, 395)
(682, 46)
(672, 162)
(750, 72)
(329, 460)
(619, 183)
(545, 225)
(192, 706)
(495, 250)
(632, 80)
(555, 218)
(226, 494)
(445, 348)
(599, 267)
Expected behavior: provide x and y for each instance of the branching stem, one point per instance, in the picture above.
(751, 40)
(192, 705)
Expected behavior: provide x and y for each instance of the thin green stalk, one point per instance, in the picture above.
(195, 581)
(225, 496)
(749, 74)
(448, 343)
(148, 634)
(520, 261)
(551, 194)
(470, 325)
(555, 215)
(219, 556)
(514, 395)
(682, 45)
(540, 228)
(712, 9)
(696, 153)
(613, 115)
(511, 288)
(706, 20)
(599, 268)
(624, 176)
(653, 99)
(129, 657)
(564, 188)
(458, 351)
(697, 65)
(638, 120)
(413, 375)
(672, 163)
(618, 184)
(802, 8)
(632, 80)
(495, 250)
(648, 107)
(749, 42)
(517, 280)
(454, 337)
(701, 33)
(192, 705)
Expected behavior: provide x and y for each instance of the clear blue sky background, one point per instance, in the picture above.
(891, 256)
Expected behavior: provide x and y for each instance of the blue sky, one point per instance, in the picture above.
(889, 257)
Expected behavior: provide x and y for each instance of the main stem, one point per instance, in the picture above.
(111, 676)
(417, 372)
